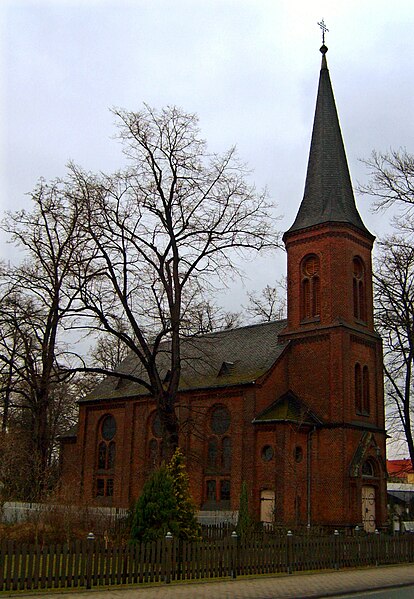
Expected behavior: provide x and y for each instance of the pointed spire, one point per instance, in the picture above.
(328, 193)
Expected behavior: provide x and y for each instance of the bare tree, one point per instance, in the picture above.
(35, 300)
(162, 234)
(391, 179)
(394, 313)
(391, 184)
(9, 344)
(269, 304)
(206, 317)
(110, 350)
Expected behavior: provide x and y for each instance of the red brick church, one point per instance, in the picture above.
(295, 407)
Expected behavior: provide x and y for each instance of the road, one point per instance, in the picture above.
(397, 593)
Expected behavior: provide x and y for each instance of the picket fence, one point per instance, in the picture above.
(90, 564)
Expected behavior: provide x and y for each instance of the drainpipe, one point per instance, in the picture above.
(309, 476)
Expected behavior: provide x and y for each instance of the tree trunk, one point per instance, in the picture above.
(170, 424)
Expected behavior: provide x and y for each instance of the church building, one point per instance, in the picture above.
(295, 407)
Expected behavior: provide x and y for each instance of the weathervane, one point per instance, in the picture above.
(324, 30)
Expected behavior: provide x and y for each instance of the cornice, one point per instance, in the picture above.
(355, 426)
(328, 230)
(318, 330)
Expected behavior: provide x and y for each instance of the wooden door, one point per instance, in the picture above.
(368, 508)
(267, 506)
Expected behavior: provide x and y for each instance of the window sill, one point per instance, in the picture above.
(365, 414)
(216, 506)
(211, 471)
(105, 500)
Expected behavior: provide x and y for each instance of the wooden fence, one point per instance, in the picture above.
(90, 564)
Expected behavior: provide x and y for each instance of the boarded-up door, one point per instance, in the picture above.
(267, 506)
(368, 508)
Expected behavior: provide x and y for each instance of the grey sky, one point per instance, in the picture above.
(249, 68)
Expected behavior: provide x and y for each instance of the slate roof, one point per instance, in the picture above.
(328, 195)
(222, 359)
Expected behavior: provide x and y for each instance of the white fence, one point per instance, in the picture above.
(17, 511)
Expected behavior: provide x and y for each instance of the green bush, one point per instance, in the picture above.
(155, 512)
(165, 505)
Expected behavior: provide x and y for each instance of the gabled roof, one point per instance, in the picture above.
(226, 358)
(288, 408)
(328, 195)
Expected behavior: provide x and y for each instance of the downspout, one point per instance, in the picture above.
(309, 477)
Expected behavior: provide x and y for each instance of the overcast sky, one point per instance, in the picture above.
(248, 68)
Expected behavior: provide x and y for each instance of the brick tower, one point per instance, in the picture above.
(335, 357)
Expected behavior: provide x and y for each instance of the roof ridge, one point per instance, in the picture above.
(247, 326)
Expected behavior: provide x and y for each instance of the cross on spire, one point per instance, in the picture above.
(324, 30)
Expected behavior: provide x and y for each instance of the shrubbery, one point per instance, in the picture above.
(165, 505)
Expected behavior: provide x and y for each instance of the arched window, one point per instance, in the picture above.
(212, 453)
(358, 289)
(365, 390)
(218, 466)
(358, 388)
(226, 454)
(105, 462)
(310, 287)
(102, 455)
(153, 453)
(111, 455)
(220, 420)
(368, 468)
(362, 394)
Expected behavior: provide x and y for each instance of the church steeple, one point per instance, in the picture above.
(328, 196)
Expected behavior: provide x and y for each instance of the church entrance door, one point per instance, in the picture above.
(267, 506)
(368, 508)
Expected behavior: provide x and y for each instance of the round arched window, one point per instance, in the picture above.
(220, 420)
(157, 426)
(358, 283)
(267, 453)
(106, 454)
(298, 453)
(368, 469)
(311, 266)
(310, 287)
(357, 268)
(108, 428)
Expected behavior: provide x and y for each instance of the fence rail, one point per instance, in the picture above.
(90, 564)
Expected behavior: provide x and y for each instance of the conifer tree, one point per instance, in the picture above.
(189, 529)
(244, 522)
(155, 512)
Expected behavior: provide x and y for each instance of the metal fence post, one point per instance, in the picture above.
(89, 556)
(289, 552)
(168, 557)
(377, 547)
(336, 548)
(234, 551)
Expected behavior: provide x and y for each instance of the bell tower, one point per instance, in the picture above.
(328, 221)
(335, 358)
